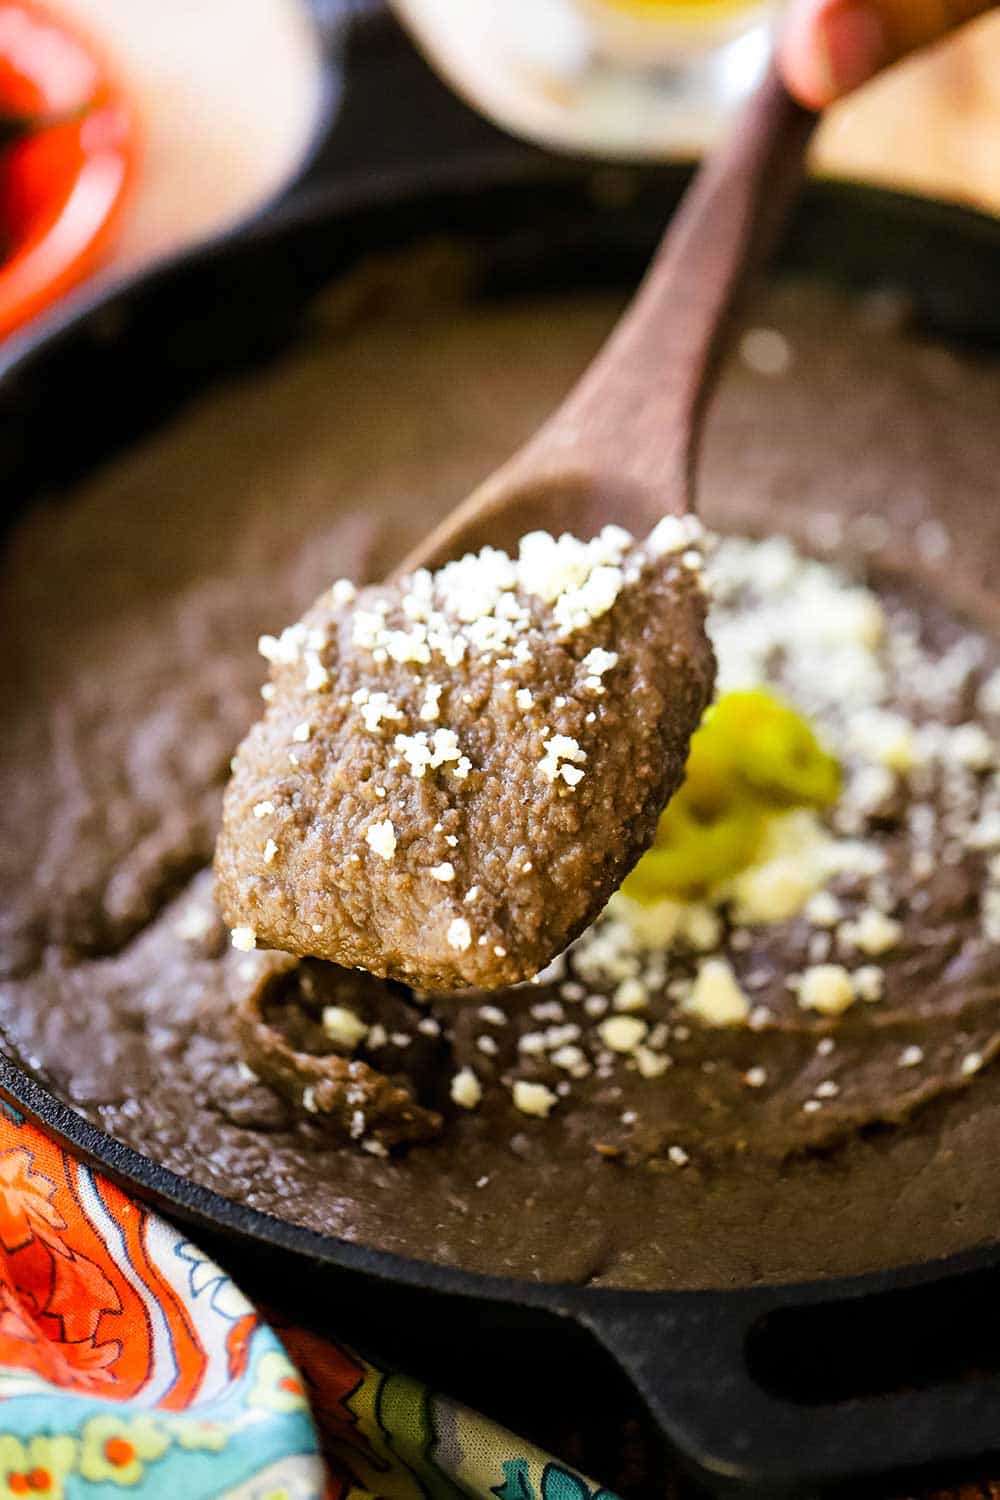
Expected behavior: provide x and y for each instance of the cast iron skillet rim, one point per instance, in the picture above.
(510, 165)
(130, 1167)
(122, 1163)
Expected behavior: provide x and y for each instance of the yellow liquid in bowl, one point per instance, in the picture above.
(672, 12)
(669, 10)
(665, 7)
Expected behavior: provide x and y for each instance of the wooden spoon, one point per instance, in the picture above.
(623, 445)
(453, 874)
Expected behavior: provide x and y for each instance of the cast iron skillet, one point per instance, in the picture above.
(769, 1389)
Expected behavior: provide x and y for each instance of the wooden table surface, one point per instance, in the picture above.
(228, 90)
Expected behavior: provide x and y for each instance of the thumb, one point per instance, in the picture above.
(830, 47)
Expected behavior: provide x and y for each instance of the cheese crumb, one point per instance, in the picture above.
(422, 751)
(317, 677)
(381, 839)
(911, 1057)
(674, 534)
(524, 698)
(631, 994)
(970, 746)
(302, 731)
(715, 997)
(824, 910)
(826, 988)
(651, 1064)
(270, 851)
(284, 649)
(374, 708)
(533, 1098)
(886, 737)
(343, 1026)
(869, 983)
(243, 939)
(430, 709)
(263, 809)
(622, 1033)
(678, 1156)
(872, 932)
(597, 662)
(342, 592)
(558, 748)
(459, 934)
(444, 872)
(466, 1090)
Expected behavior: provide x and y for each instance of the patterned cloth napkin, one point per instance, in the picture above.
(129, 1362)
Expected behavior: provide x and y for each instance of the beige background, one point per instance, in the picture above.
(228, 91)
(932, 124)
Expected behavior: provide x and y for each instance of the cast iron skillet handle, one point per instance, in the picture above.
(687, 1355)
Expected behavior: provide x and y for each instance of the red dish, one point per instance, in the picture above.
(67, 159)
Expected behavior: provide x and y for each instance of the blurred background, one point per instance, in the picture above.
(130, 127)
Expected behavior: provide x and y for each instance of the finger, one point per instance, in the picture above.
(830, 47)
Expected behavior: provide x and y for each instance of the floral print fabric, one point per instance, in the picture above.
(130, 1364)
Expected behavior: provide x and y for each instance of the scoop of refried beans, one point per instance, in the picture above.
(455, 771)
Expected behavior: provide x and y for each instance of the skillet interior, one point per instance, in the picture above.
(211, 319)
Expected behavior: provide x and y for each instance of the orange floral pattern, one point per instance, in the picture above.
(131, 1363)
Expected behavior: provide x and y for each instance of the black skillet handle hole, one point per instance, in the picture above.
(905, 1340)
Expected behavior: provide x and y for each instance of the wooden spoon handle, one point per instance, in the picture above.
(636, 414)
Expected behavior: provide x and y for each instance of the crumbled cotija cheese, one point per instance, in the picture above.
(381, 838)
(466, 1090)
(716, 998)
(826, 988)
(533, 1098)
(559, 748)
(622, 1033)
(872, 932)
(459, 934)
(824, 910)
(344, 1027)
(317, 677)
(374, 708)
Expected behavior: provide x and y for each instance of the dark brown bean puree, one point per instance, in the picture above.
(131, 672)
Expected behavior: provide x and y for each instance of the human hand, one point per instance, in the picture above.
(830, 47)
